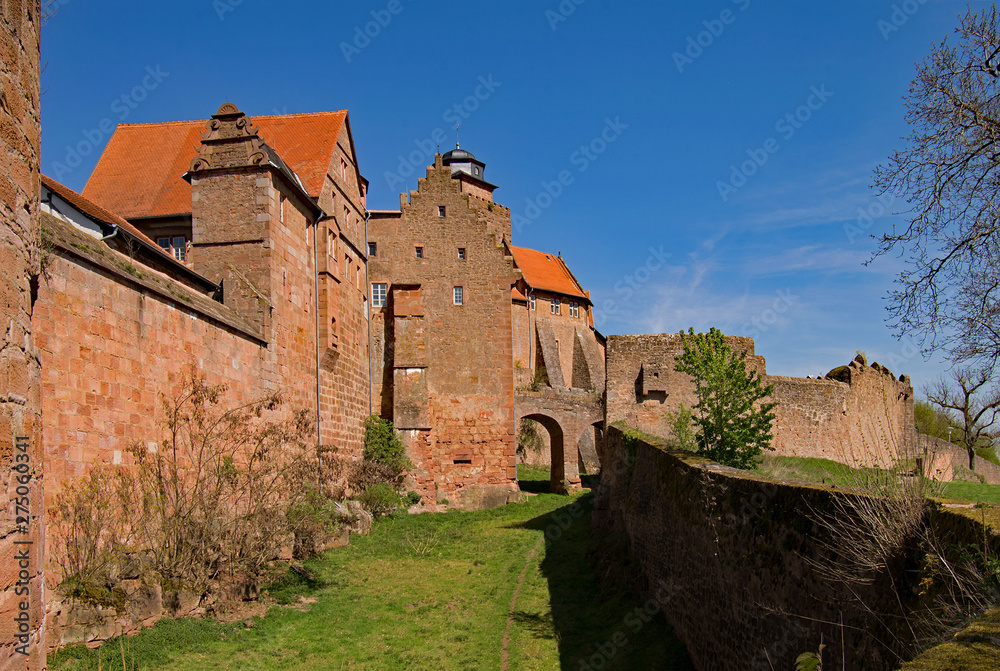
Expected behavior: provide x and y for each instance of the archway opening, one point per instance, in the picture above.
(540, 449)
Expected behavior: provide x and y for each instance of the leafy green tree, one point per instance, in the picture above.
(734, 423)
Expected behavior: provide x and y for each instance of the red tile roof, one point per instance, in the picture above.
(95, 211)
(139, 173)
(547, 272)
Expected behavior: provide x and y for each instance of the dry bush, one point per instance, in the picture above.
(881, 533)
(209, 505)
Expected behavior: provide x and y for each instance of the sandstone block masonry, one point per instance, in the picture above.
(442, 364)
(862, 416)
(733, 562)
(21, 513)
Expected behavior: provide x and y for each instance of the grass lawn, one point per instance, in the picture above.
(832, 472)
(427, 592)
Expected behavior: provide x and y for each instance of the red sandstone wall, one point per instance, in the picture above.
(626, 357)
(468, 380)
(111, 349)
(21, 589)
(868, 421)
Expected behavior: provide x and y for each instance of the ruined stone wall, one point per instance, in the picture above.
(642, 385)
(946, 461)
(21, 465)
(731, 561)
(452, 365)
(865, 420)
(522, 333)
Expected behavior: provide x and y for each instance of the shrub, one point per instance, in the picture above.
(209, 502)
(380, 499)
(383, 446)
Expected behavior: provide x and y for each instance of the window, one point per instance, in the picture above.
(554, 306)
(457, 296)
(281, 208)
(347, 265)
(420, 252)
(574, 309)
(441, 210)
(357, 275)
(531, 299)
(343, 168)
(179, 245)
(331, 246)
(372, 248)
(461, 253)
(378, 294)
(175, 246)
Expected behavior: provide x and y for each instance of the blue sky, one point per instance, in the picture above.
(697, 163)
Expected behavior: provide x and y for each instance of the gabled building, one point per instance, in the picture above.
(272, 209)
(555, 342)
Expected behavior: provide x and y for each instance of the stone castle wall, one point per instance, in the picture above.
(22, 513)
(865, 420)
(732, 561)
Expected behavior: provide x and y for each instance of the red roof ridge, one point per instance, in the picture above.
(181, 122)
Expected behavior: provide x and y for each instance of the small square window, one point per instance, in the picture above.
(461, 253)
(378, 294)
(458, 296)
(164, 243)
(419, 252)
(441, 210)
(531, 299)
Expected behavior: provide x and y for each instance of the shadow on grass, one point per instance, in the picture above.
(596, 629)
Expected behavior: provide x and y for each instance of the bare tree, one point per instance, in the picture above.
(978, 406)
(949, 173)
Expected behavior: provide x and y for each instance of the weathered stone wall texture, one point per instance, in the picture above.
(21, 540)
(865, 421)
(731, 561)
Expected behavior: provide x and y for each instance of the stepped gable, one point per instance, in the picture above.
(140, 173)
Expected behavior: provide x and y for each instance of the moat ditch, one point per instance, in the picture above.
(512, 587)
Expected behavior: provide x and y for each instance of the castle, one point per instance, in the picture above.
(242, 249)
